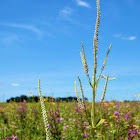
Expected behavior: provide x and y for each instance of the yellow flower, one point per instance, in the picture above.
(30, 94)
(14, 126)
(135, 126)
(106, 104)
(111, 103)
(113, 116)
(134, 95)
(139, 95)
(25, 101)
(107, 124)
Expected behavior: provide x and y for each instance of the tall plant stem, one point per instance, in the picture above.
(95, 80)
(94, 92)
(93, 110)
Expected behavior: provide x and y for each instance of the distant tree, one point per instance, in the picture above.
(126, 101)
(47, 99)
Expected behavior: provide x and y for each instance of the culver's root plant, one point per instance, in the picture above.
(95, 80)
(44, 114)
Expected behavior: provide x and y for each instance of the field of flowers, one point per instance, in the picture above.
(67, 121)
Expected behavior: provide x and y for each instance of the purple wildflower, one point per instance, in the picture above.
(49, 112)
(58, 120)
(85, 135)
(62, 137)
(13, 136)
(127, 116)
(130, 131)
(34, 111)
(84, 123)
(136, 132)
(116, 112)
(57, 110)
(64, 127)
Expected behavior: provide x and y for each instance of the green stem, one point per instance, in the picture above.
(93, 110)
(94, 92)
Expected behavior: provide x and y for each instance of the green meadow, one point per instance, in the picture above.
(67, 121)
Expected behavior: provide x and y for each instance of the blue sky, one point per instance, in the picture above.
(42, 39)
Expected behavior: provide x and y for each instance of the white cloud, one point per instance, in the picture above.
(132, 38)
(66, 11)
(15, 84)
(124, 37)
(10, 40)
(65, 14)
(82, 3)
(23, 26)
(117, 35)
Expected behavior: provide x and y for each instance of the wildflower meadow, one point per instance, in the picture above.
(24, 121)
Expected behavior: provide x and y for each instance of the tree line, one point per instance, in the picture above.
(47, 99)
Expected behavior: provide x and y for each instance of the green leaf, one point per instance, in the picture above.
(100, 121)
